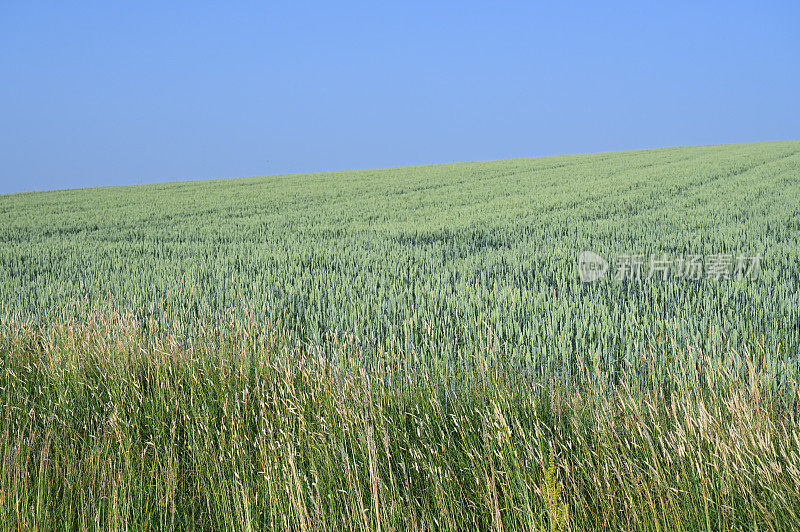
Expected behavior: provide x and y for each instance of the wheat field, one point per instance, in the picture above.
(409, 348)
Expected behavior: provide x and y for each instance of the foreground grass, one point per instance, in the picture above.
(105, 428)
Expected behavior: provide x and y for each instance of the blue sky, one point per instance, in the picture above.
(101, 93)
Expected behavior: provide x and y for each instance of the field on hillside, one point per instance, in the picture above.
(433, 257)
(409, 348)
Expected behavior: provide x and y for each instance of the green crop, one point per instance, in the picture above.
(437, 258)
(406, 349)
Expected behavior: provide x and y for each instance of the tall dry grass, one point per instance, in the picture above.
(105, 426)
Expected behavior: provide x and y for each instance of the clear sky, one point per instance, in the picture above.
(101, 93)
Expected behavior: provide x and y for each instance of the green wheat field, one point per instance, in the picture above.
(407, 349)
